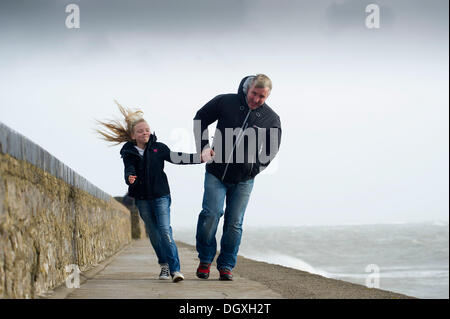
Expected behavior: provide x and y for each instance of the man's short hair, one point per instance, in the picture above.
(261, 81)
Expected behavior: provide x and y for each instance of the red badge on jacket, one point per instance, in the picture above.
(155, 150)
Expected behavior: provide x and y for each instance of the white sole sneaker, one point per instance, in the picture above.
(177, 276)
(164, 275)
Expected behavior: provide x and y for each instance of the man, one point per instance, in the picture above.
(247, 138)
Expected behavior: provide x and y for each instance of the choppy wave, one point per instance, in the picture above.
(396, 274)
(287, 261)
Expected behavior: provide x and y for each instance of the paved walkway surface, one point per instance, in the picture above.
(133, 273)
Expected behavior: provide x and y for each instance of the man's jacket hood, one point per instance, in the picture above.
(242, 89)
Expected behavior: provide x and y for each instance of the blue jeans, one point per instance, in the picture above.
(156, 215)
(237, 196)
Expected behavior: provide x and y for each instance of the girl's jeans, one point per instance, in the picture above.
(156, 216)
(237, 197)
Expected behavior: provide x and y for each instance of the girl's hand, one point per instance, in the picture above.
(132, 178)
(207, 155)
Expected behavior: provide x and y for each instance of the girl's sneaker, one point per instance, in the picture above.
(177, 276)
(165, 273)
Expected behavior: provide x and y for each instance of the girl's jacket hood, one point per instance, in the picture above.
(129, 147)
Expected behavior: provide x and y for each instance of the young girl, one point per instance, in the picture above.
(144, 160)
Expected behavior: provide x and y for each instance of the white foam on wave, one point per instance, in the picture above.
(441, 223)
(396, 274)
(287, 261)
(415, 274)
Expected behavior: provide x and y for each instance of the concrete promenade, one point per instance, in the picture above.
(133, 274)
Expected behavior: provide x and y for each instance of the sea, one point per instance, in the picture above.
(407, 258)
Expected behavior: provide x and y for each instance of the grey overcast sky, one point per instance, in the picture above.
(365, 112)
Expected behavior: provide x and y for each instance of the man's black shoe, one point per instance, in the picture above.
(203, 270)
(225, 274)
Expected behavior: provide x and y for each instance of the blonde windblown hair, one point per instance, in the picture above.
(115, 131)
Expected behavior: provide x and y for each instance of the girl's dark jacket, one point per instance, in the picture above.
(231, 111)
(151, 181)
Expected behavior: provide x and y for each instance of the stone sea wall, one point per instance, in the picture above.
(48, 222)
(138, 230)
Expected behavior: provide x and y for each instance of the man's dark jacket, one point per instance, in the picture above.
(232, 111)
(151, 181)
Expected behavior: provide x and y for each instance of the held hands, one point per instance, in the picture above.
(207, 155)
(132, 178)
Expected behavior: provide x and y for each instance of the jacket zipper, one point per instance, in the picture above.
(241, 133)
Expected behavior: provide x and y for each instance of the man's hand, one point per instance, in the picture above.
(207, 155)
(132, 178)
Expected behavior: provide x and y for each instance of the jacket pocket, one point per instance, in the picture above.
(132, 190)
